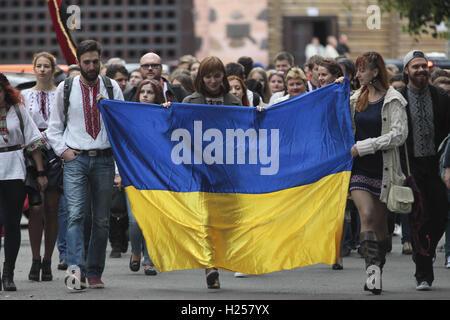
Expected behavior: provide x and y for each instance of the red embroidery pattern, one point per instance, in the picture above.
(3, 127)
(43, 98)
(91, 112)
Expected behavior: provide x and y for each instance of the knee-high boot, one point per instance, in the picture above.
(374, 258)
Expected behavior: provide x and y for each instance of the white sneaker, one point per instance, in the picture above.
(240, 275)
(423, 286)
(73, 280)
(447, 263)
(373, 282)
(397, 230)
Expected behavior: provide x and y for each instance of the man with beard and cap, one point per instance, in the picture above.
(77, 134)
(428, 125)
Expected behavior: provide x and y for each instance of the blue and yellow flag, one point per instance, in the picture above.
(235, 188)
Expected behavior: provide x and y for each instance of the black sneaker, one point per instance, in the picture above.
(62, 265)
(346, 251)
(150, 271)
(115, 253)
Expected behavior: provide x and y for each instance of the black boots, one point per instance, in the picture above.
(35, 270)
(7, 278)
(374, 253)
(37, 266)
(46, 270)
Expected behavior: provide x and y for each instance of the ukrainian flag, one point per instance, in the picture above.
(234, 188)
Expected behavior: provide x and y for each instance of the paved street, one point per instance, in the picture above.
(318, 282)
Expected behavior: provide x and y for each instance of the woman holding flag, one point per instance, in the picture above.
(212, 87)
(380, 124)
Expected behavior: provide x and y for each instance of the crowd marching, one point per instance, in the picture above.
(55, 152)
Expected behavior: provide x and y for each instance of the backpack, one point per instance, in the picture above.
(68, 88)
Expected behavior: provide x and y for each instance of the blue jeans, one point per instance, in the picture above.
(88, 181)
(406, 235)
(62, 228)
(136, 238)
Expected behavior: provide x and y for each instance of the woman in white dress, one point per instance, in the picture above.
(17, 129)
(43, 214)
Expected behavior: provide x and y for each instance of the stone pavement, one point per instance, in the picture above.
(317, 282)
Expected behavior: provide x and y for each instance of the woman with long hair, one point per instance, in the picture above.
(148, 91)
(239, 89)
(260, 75)
(380, 123)
(43, 218)
(276, 81)
(17, 128)
(329, 71)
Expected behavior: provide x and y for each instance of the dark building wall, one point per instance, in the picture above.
(125, 28)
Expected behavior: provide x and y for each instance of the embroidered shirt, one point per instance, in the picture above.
(90, 109)
(215, 101)
(422, 120)
(12, 162)
(39, 104)
(74, 135)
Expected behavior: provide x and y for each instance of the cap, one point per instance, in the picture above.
(412, 55)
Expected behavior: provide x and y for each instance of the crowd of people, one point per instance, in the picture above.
(67, 171)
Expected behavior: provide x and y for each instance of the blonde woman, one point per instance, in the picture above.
(296, 84)
(43, 219)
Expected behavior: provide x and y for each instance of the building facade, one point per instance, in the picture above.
(125, 28)
(228, 29)
(292, 24)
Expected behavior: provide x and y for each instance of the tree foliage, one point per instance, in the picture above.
(423, 15)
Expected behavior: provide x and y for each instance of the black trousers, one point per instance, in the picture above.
(436, 206)
(118, 228)
(12, 197)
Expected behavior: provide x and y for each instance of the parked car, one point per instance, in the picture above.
(20, 80)
(434, 60)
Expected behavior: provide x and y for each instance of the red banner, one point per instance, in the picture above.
(58, 12)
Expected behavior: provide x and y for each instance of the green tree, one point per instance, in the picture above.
(423, 15)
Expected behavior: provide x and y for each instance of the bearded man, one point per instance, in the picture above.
(428, 124)
(78, 135)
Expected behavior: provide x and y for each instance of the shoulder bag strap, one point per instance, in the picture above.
(19, 115)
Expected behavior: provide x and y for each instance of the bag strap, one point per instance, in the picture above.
(67, 88)
(19, 115)
(407, 160)
(109, 87)
(406, 154)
